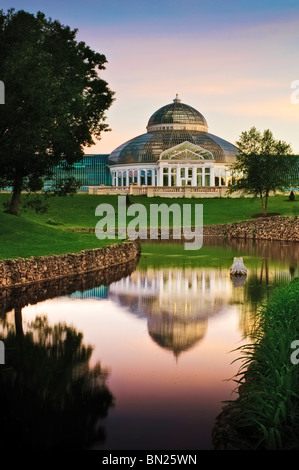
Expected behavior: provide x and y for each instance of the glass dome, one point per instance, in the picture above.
(178, 116)
(169, 126)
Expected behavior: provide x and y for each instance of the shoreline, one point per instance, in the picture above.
(20, 272)
(279, 228)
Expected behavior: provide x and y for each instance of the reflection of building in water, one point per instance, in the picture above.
(100, 292)
(176, 334)
(176, 302)
(191, 292)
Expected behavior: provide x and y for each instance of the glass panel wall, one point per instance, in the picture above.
(92, 170)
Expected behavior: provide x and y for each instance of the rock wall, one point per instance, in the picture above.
(266, 228)
(22, 271)
(20, 296)
(281, 228)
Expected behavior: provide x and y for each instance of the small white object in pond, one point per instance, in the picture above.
(238, 267)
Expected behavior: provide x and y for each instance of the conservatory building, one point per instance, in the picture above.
(176, 151)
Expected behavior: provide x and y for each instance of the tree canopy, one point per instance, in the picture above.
(263, 165)
(55, 100)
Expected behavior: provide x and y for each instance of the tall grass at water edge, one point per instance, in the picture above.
(265, 415)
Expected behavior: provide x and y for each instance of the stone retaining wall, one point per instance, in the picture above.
(22, 271)
(20, 296)
(266, 228)
(280, 228)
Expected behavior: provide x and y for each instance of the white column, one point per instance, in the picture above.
(178, 176)
(212, 177)
(203, 176)
(194, 176)
(160, 176)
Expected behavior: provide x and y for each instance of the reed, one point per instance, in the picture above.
(266, 414)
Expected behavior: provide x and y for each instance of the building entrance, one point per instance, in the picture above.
(186, 181)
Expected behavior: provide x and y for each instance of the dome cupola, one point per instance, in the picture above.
(177, 116)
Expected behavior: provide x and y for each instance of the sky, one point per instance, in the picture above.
(234, 61)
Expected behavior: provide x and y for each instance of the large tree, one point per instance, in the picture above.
(55, 100)
(263, 166)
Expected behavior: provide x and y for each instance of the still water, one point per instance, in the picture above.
(139, 359)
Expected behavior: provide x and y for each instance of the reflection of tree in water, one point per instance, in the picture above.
(258, 287)
(262, 282)
(49, 396)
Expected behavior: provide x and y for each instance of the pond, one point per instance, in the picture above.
(137, 359)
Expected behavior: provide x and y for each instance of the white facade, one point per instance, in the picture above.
(177, 166)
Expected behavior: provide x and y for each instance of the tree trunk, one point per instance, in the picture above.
(15, 199)
(262, 202)
(266, 203)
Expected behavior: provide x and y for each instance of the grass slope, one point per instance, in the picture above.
(23, 238)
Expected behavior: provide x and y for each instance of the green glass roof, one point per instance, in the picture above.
(176, 112)
(147, 148)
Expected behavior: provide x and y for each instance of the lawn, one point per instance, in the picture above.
(20, 237)
(32, 234)
(79, 210)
